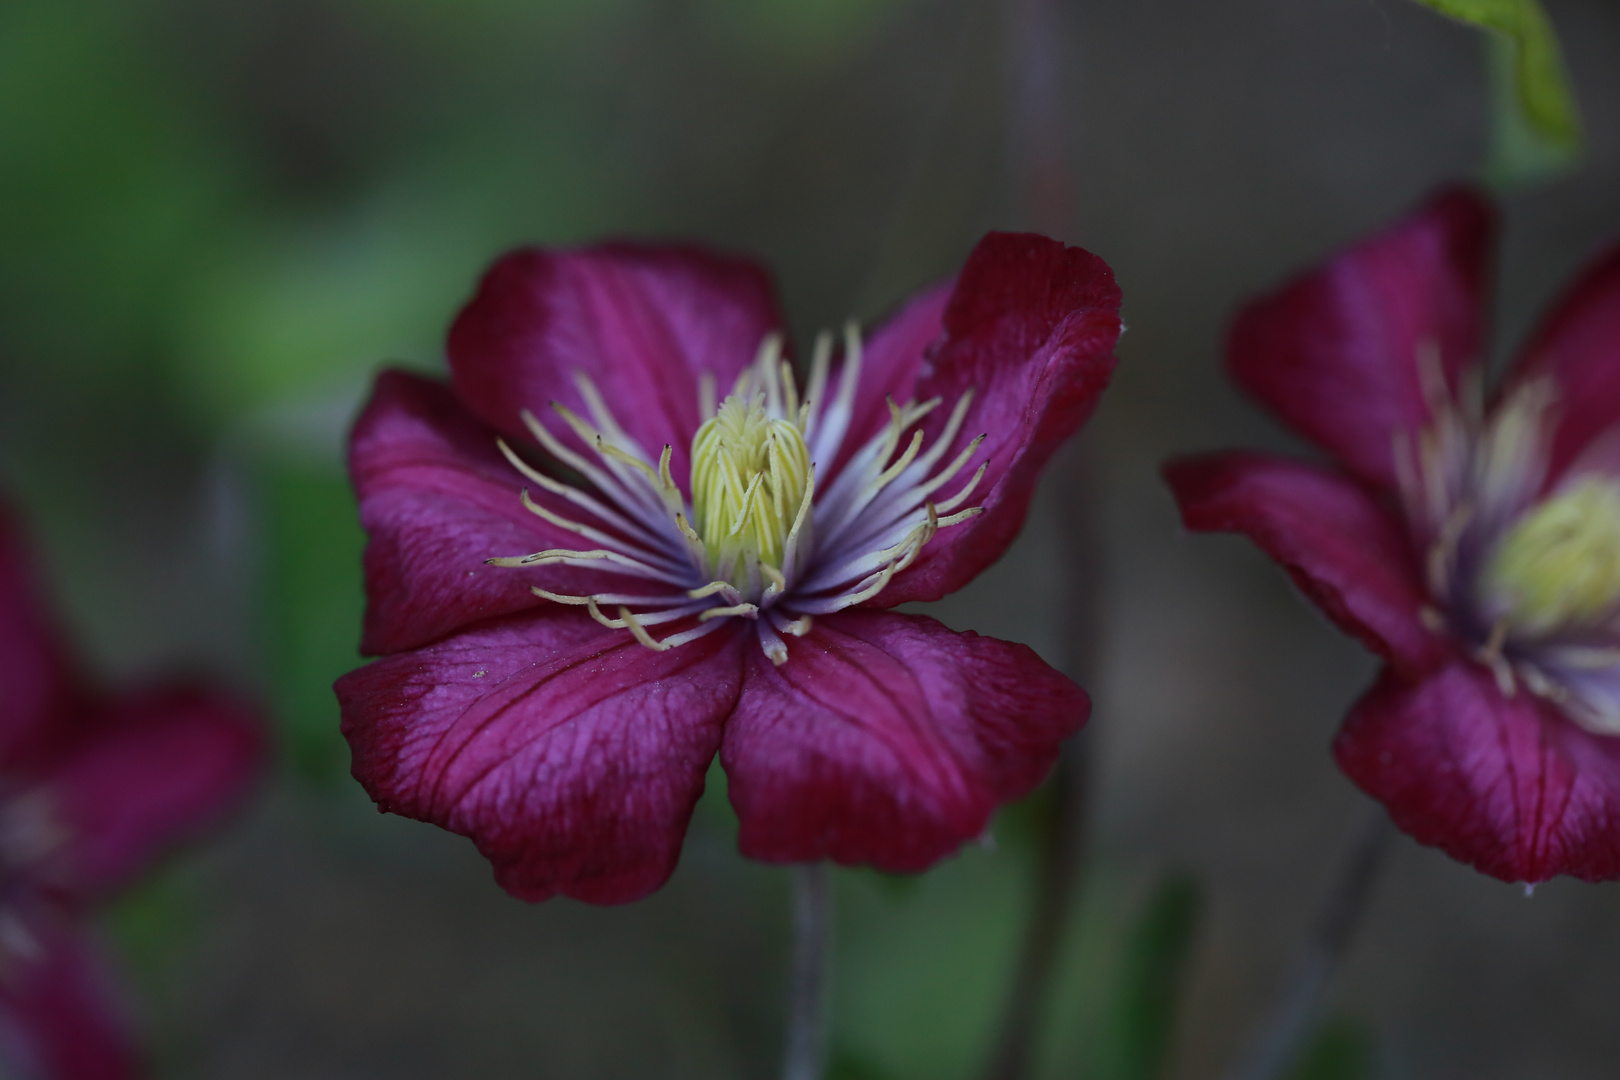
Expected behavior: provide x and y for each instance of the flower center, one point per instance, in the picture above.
(749, 476)
(1560, 563)
(759, 539)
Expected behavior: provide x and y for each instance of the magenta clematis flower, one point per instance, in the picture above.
(627, 537)
(92, 789)
(1471, 540)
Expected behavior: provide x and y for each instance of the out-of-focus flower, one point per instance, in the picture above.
(629, 537)
(1471, 539)
(92, 789)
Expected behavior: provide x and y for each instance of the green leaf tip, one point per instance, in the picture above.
(1536, 128)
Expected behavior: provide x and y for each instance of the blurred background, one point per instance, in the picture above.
(217, 219)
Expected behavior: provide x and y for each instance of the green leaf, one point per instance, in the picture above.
(806, 30)
(1520, 154)
(160, 927)
(847, 1065)
(1142, 1014)
(1536, 129)
(1340, 1051)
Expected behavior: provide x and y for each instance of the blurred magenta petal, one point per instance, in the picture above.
(95, 787)
(571, 755)
(1492, 733)
(1030, 331)
(644, 322)
(889, 739)
(1579, 346)
(437, 500)
(1337, 352)
(1343, 549)
(149, 771)
(36, 687)
(63, 1018)
(1506, 784)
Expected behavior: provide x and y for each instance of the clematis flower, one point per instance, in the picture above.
(1471, 539)
(628, 536)
(92, 789)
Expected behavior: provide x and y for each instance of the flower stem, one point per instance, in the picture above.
(1037, 54)
(1299, 1004)
(1060, 858)
(805, 1055)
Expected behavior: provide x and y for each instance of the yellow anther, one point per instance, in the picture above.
(749, 475)
(1560, 563)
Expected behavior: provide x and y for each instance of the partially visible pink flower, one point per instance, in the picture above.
(1471, 540)
(92, 789)
(628, 537)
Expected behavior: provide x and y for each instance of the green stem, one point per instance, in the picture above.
(1298, 1007)
(804, 1056)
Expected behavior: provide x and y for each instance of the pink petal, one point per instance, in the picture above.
(1506, 784)
(60, 1016)
(437, 499)
(1343, 549)
(36, 685)
(1030, 330)
(570, 754)
(1579, 346)
(643, 322)
(889, 739)
(1335, 353)
(148, 771)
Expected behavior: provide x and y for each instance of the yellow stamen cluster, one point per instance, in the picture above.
(1560, 564)
(750, 474)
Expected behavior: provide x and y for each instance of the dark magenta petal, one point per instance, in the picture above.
(437, 499)
(60, 1016)
(1579, 346)
(889, 739)
(643, 322)
(36, 686)
(148, 771)
(1506, 784)
(892, 359)
(1030, 329)
(1336, 353)
(570, 754)
(1344, 550)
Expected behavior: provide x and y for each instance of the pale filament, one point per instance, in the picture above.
(820, 550)
(1521, 574)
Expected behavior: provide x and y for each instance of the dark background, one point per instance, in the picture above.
(217, 217)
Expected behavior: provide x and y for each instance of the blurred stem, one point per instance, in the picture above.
(1298, 1007)
(1060, 858)
(805, 1054)
(1038, 54)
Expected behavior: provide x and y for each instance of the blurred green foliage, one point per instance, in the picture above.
(158, 927)
(847, 1066)
(920, 971)
(1340, 1050)
(1140, 1022)
(313, 604)
(1536, 128)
